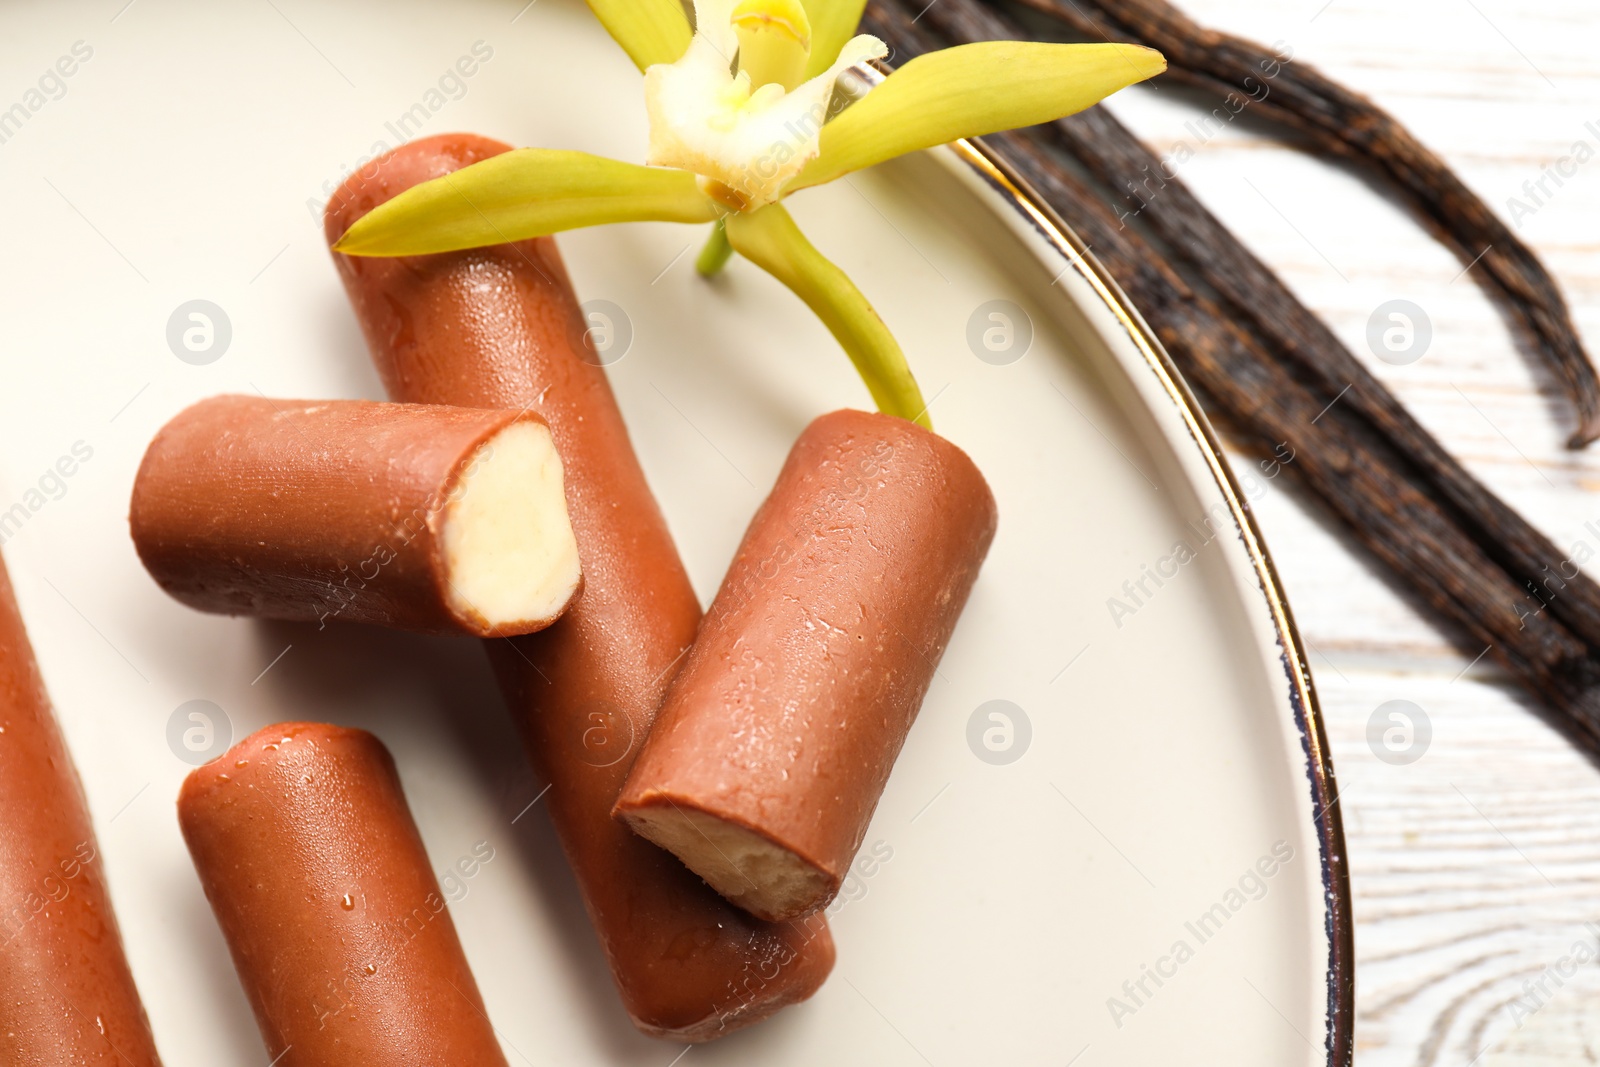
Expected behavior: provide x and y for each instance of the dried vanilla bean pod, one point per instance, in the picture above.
(1362, 479)
(1346, 124)
(1251, 292)
(1352, 470)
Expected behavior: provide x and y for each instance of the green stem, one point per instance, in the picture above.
(715, 255)
(770, 239)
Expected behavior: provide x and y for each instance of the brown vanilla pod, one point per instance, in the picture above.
(1205, 249)
(1360, 477)
(1346, 125)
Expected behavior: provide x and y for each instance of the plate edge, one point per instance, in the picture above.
(1339, 925)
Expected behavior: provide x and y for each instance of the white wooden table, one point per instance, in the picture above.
(1475, 868)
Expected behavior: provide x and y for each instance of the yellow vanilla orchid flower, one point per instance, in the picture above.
(744, 112)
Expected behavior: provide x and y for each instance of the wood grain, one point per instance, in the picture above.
(1475, 867)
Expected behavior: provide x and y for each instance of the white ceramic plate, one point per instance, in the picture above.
(1020, 907)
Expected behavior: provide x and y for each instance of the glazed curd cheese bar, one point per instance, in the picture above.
(777, 737)
(317, 875)
(500, 327)
(419, 517)
(66, 993)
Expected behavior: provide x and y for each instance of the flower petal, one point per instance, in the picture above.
(529, 192)
(650, 31)
(833, 22)
(972, 90)
(770, 239)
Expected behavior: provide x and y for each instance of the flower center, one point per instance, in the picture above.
(745, 130)
(774, 41)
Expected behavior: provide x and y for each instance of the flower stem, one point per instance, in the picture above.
(715, 255)
(770, 239)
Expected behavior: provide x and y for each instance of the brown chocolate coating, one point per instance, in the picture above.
(66, 994)
(312, 510)
(814, 658)
(501, 327)
(341, 938)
